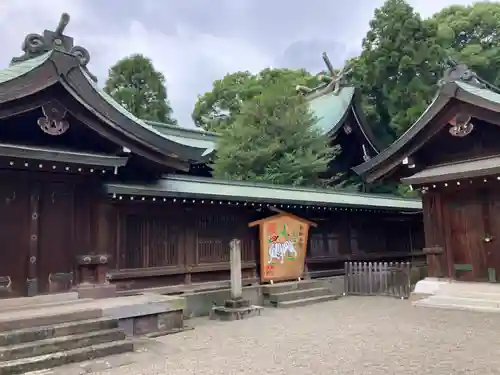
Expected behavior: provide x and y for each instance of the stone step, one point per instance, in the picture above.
(37, 300)
(306, 301)
(59, 344)
(290, 286)
(64, 329)
(470, 294)
(43, 362)
(298, 294)
(459, 301)
(468, 287)
(440, 304)
(15, 320)
(44, 305)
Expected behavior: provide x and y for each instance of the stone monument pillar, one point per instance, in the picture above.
(235, 308)
(235, 259)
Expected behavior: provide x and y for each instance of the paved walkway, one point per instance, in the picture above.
(368, 336)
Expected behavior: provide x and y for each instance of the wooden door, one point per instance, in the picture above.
(465, 229)
(492, 237)
(56, 245)
(14, 237)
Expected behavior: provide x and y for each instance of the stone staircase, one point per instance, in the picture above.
(296, 293)
(37, 337)
(483, 297)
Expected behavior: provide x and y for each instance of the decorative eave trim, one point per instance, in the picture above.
(205, 188)
(64, 156)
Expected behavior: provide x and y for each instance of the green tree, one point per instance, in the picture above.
(273, 140)
(216, 109)
(399, 67)
(471, 35)
(137, 86)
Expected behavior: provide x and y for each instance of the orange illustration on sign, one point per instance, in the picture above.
(283, 246)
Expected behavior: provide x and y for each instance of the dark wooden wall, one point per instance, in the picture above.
(46, 220)
(173, 243)
(57, 217)
(180, 243)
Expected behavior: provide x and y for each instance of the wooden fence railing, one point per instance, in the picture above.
(378, 278)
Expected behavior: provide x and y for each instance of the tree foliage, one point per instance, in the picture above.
(216, 109)
(273, 139)
(471, 35)
(137, 86)
(399, 67)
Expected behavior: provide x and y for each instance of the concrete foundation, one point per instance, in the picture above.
(201, 303)
(96, 291)
(146, 314)
(234, 313)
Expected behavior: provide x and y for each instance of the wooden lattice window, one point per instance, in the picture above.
(150, 242)
(324, 242)
(215, 231)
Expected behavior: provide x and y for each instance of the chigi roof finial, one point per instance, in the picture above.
(331, 80)
(35, 45)
(334, 78)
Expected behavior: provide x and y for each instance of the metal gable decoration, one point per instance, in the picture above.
(53, 121)
(35, 45)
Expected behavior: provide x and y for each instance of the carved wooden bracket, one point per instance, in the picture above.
(92, 268)
(92, 259)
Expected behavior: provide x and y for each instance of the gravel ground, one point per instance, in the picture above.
(355, 335)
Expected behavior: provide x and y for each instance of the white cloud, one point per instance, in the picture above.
(189, 61)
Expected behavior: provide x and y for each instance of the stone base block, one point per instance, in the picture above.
(236, 303)
(234, 313)
(161, 323)
(96, 291)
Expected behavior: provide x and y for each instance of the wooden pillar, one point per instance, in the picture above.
(189, 243)
(438, 261)
(93, 266)
(32, 277)
(103, 230)
(435, 264)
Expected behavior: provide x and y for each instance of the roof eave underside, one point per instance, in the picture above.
(395, 151)
(366, 129)
(223, 190)
(54, 68)
(474, 168)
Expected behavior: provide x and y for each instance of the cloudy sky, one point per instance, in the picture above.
(194, 42)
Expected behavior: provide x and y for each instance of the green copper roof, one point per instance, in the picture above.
(205, 148)
(20, 69)
(208, 188)
(484, 93)
(192, 137)
(330, 108)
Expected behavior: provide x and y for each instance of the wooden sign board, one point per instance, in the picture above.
(283, 246)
